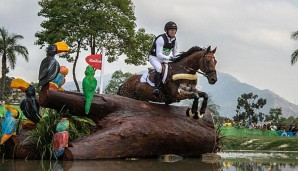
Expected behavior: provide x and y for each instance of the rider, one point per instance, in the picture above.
(161, 50)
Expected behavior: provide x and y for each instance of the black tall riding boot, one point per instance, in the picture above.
(157, 83)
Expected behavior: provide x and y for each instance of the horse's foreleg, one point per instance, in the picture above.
(196, 95)
(195, 103)
(205, 102)
(193, 112)
(193, 93)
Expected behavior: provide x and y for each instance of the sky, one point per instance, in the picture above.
(253, 38)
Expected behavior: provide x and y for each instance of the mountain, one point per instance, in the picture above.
(227, 90)
(225, 94)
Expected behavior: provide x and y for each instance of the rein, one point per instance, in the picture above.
(207, 74)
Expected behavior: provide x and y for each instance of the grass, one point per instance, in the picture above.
(44, 132)
(255, 139)
(260, 143)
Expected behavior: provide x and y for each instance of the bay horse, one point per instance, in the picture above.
(180, 82)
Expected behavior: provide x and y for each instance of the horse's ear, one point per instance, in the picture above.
(214, 50)
(208, 49)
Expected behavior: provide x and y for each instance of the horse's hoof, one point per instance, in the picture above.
(187, 112)
(200, 116)
(196, 116)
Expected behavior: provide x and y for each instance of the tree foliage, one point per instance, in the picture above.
(274, 115)
(117, 79)
(294, 56)
(10, 49)
(214, 109)
(94, 25)
(246, 106)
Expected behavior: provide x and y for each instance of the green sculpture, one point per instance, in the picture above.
(89, 86)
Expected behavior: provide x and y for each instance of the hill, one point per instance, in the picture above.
(226, 92)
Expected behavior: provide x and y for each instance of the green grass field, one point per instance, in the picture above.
(255, 139)
(260, 143)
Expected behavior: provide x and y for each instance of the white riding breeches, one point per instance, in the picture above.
(156, 63)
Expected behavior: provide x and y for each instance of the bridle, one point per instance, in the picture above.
(207, 72)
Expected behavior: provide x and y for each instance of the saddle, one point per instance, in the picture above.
(149, 75)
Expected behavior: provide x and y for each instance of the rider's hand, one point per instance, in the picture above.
(167, 58)
(173, 59)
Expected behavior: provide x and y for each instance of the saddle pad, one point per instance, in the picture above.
(146, 75)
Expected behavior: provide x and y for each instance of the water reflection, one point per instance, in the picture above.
(265, 161)
(230, 161)
(109, 165)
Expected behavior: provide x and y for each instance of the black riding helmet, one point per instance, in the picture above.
(170, 25)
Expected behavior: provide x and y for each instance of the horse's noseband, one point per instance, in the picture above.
(210, 73)
(207, 74)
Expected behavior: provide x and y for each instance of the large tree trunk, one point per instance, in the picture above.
(132, 128)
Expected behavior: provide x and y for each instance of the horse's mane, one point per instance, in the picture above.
(187, 53)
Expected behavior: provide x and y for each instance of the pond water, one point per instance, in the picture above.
(230, 161)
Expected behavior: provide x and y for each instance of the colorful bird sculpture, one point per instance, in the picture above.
(49, 67)
(9, 124)
(89, 86)
(29, 105)
(61, 137)
(57, 83)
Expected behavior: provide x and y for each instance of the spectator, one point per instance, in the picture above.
(273, 127)
(264, 127)
(293, 129)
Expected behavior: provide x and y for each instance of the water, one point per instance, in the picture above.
(230, 161)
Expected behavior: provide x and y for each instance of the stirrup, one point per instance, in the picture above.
(156, 92)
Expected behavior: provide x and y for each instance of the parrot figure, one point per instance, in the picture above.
(61, 137)
(29, 105)
(89, 86)
(9, 124)
(56, 84)
(49, 67)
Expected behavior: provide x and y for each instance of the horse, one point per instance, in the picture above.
(180, 81)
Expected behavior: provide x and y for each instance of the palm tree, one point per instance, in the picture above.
(294, 57)
(9, 49)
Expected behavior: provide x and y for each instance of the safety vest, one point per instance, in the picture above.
(167, 47)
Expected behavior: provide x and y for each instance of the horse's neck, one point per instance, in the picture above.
(191, 64)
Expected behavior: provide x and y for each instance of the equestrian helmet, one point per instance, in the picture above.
(170, 25)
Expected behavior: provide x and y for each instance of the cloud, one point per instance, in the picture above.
(252, 37)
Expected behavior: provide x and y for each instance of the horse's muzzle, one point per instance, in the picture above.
(212, 80)
(212, 77)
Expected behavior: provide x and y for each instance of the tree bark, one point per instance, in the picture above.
(131, 128)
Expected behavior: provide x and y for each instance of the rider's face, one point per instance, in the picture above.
(172, 32)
